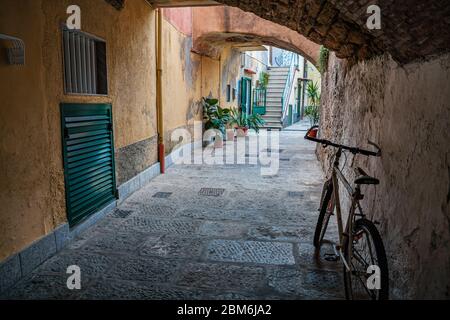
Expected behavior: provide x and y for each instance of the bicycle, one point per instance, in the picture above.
(360, 245)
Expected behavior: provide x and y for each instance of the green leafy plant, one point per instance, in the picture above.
(312, 111)
(324, 54)
(263, 80)
(215, 117)
(244, 121)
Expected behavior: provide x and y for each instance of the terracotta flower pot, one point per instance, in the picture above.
(218, 142)
(242, 132)
(230, 134)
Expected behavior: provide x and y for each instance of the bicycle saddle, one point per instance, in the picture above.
(364, 178)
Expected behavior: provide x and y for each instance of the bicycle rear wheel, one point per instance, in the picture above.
(367, 250)
(326, 210)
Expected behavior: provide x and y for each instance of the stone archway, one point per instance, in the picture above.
(228, 25)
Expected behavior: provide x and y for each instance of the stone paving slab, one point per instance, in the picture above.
(223, 229)
(223, 276)
(150, 209)
(133, 290)
(159, 226)
(40, 287)
(276, 253)
(92, 265)
(125, 243)
(306, 284)
(169, 246)
(150, 269)
(292, 234)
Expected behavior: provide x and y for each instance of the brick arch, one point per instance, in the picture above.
(216, 27)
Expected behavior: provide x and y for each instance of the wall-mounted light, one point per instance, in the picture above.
(16, 52)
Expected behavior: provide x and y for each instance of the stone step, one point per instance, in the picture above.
(273, 114)
(277, 82)
(272, 120)
(273, 123)
(280, 89)
(279, 128)
(273, 109)
(286, 69)
(278, 75)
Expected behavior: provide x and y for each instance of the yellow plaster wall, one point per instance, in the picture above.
(230, 62)
(31, 173)
(210, 77)
(181, 81)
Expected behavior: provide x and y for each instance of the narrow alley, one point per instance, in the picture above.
(251, 238)
(117, 118)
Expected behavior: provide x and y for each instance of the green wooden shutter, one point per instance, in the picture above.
(242, 94)
(88, 152)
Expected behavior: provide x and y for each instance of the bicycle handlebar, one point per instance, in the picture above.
(353, 150)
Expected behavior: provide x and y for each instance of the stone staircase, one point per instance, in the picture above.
(275, 89)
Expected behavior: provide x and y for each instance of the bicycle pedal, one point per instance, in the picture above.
(331, 257)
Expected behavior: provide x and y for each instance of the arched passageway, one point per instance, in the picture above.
(220, 26)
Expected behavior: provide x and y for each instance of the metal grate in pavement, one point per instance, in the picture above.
(122, 214)
(162, 195)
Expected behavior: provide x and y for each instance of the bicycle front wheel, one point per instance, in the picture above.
(326, 210)
(369, 277)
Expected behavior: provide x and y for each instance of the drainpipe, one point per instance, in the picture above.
(159, 105)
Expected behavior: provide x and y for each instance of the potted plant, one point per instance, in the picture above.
(263, 80)
(215, 117)
(244, 122)
(312, 111)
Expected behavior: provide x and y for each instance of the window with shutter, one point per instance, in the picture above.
(88, 153)
(85, 71)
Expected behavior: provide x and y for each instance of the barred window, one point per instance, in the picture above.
(85, 69)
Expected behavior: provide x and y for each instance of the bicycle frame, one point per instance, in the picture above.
(355, 194)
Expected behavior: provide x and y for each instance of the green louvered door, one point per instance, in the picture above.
(88, 151)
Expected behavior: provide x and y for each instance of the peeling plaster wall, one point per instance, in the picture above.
(182, 76)
(230, 62)
(406, 110)
(31, 172)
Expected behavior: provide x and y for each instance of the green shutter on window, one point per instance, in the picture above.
(88, 152)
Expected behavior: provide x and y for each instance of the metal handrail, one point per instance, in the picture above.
(293, 64)
(260, 100)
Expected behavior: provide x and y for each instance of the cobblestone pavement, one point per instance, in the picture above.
(172, 240)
